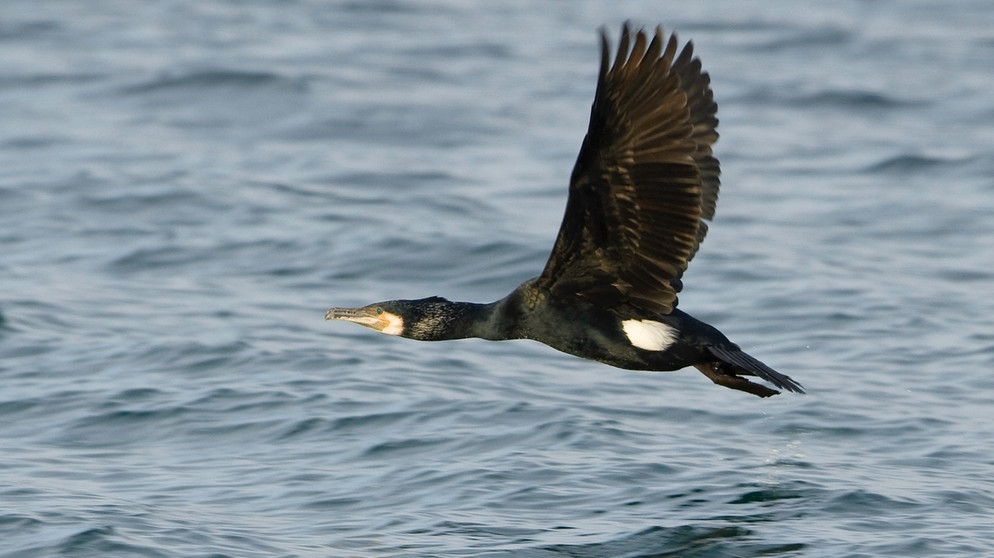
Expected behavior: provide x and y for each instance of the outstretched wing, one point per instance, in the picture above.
(643, 181)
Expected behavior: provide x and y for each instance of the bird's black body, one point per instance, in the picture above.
(643, 184)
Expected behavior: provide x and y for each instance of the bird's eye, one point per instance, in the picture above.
(379, 310)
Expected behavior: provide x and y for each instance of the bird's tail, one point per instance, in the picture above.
(732, 364)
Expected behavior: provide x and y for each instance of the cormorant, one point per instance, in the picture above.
(643, 184)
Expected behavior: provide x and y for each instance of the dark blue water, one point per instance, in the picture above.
(186, 187)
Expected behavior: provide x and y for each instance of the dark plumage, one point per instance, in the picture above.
(643, 184)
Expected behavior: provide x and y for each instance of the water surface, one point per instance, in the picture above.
(187, 186)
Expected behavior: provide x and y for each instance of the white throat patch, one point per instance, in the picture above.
(649, 334)
(395, 324)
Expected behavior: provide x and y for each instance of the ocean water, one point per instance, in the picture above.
(187, 186)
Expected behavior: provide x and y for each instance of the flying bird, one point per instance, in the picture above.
(643, 185)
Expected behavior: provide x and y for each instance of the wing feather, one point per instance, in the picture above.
(644, 180)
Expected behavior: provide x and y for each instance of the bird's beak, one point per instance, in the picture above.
(372, 316)
(363, 316)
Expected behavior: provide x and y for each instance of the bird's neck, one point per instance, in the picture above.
(459, 320)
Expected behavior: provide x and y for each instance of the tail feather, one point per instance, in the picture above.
(745, 364)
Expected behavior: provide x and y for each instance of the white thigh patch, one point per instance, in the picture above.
(649, 335)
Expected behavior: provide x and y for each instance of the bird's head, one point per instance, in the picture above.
(416, 319)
